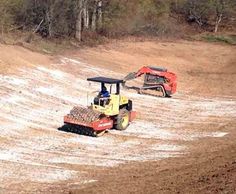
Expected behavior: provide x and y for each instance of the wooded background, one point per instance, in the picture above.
(113, 18)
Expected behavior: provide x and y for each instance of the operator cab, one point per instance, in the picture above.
(110, 81)
(151, 79)
(110, 103)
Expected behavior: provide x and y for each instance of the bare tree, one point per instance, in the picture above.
(49, 18)
(99, 13)
(94, 17)
(86, 15)
(219, 8)
(78, 33)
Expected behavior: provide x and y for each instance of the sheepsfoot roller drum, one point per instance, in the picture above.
(87, 121)
(106, 112)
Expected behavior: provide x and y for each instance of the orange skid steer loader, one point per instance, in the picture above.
(158, 81)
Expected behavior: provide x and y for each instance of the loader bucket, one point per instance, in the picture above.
(130, 76)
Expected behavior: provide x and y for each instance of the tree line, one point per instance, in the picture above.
(83, 18)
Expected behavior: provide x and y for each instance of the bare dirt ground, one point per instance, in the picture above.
(184, 144)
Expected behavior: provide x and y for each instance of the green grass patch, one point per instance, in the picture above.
(228, 39)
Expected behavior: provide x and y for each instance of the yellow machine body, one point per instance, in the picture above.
(112, 107)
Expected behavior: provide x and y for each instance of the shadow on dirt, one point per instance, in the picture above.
(81, 130)
(77, 130)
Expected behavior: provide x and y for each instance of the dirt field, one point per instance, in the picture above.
(183, 144)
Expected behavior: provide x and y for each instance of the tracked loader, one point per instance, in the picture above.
(158, 81)
(111, 112)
